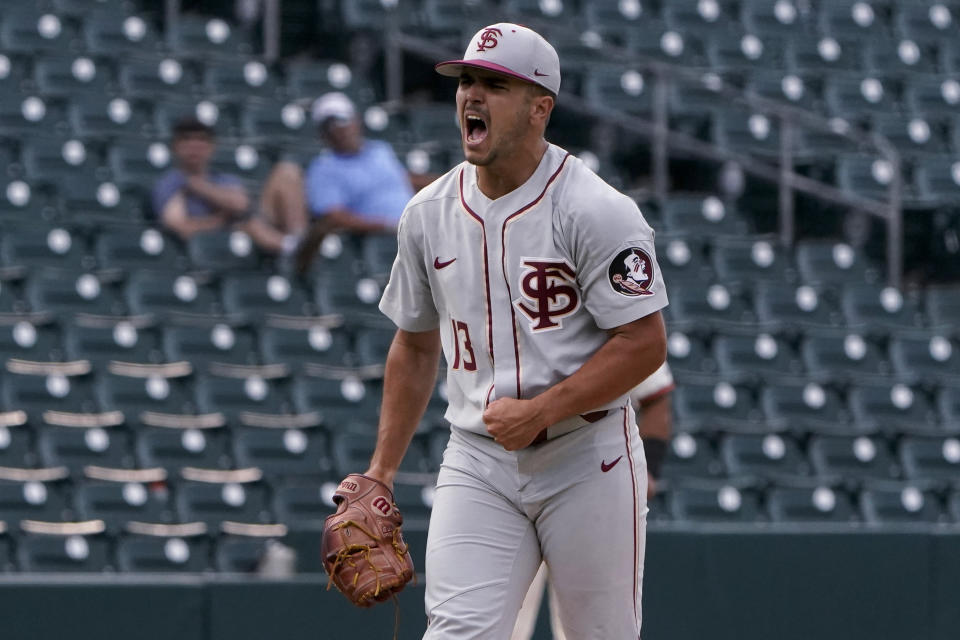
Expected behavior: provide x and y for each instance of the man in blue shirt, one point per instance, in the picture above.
(190, 198)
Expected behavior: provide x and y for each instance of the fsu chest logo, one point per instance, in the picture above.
(631, 273)
(549, 293)
(488, 39)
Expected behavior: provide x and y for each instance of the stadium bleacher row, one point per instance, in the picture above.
(153, 391)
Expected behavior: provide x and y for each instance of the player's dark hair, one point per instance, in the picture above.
(191, 126)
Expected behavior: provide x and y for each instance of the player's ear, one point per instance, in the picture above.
(541, 107)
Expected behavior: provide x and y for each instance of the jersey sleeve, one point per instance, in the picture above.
(617, 268)
(407, 299)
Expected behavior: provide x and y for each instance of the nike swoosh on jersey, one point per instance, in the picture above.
(606, 467)
(536, 72)
(441, 265)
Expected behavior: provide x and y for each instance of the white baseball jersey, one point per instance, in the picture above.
(523, 287)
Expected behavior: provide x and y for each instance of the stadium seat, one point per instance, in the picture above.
(341, 402)
(806, 407)
(824, 55)
(372, 346)
(796, 90)
(734, 50)
(619, 88)
(771, 456)
(867, 308)
(233, 395)
(653, 39)
(352, 451)
(29, 115)
(931, 95)
(62, 547)
(937, 177)
(302, 503)
(98, 116)
(69, 77)
(853, 18)
(888, 503)
(780, 19)
(702, 217)
(226, 251)
(310, 78)
(751, 259)
(810, 504)
(851, 458)
(688, 356)
(214, 496)
(169, 295)
(256, 296)
(16, 446)
(704, 310)
(866, 176)
(222, 116)
(28, 29)
(893, 408)
(925, 22)
(716, 501)
(28, 341)
(127, 249)
(700, 18)
(6, 563)
(205, 342)
(297, 345)
(153, 77)
(827, 263)
(33, 494)
(117, 496)
(283, 452)
(175, 448)
(63, 293)
(353, 297)
(805, 307)
(932, 458)
(681, 258)
(717, 407)
(932, 358)
(152, 547)
(137, 162)
(110, 32)
(756, 360)
(415, 501)
(943, 307)
(101, 340)
(948, 404)
(210, 39)
(900, 56)
(914, 136)
(244, 547)
(240, 79)
(134, 395)
(691, 456)
(841, 357)
(53, 390)
(78, 447)
(856, 95)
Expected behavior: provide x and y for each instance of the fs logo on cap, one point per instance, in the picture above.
(631, 272)
(488, 39)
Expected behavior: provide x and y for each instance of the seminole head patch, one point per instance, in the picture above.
(631, 273)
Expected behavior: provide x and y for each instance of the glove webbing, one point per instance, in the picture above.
(347, 553)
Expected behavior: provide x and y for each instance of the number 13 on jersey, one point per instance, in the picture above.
(461, 344)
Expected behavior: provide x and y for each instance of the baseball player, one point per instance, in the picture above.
(514, 263)
(650, 399)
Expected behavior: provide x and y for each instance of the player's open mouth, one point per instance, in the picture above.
(476, 128)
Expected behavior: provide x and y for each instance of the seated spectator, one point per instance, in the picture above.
(190, 199)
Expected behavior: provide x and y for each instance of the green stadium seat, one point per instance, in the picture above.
(856, 95)
(152, 548)
(769, 457)
(681, 258)
(824, 55)
(101, 340)
(219, 499)
(867, 176)
(918, 135)
(780, 308)
(759, 359)
(878, 310)
(691, 456)
(303, 504)
(203, 343)
(16, 446)
(704, 406)
(63, 293)
(107, 31)
(853, 458)
(45, 247)
(708, 310)
(117, 496)
(819, 504)
(297, 345)
(828, 263)
(283, 452)
(933, 458)
(309, 79)
(168, 294)
(931, 95)
(734, 50)
(715, 501)
(900, 503)
(175, 448)
(233, 395)
(240, 79)
(35, 341)
(896, 56)
(211, 38)
(37, 394)
(700, 18)
(72, 76)
(158, 76)
(796, 90)
(926, 22)
(802, 407)
(612, 18)
(226, 251)
(28, 29)
(55, 548)
(750, 133)
(653, 39)
(854, 18)
(77, 447)
(275, 121)
(933, 359)
(781, 18)
(160, 392)
(255, 296)
(706, 217)
(29, 115)
(222, 116)
(620, 88)
(131, 249)
(893, 408)
(34, 499)
(137, 162)
(751, 259)
(688, 355)
(841, 357)
(99, 116)
(340, 402)
(354, 297)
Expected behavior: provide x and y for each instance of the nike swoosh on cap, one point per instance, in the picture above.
(536, 72)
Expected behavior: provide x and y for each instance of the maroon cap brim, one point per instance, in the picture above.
(452, 68)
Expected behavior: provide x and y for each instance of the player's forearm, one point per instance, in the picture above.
(409, 380)
(631, 354)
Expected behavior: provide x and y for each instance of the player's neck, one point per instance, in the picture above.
(508, 173)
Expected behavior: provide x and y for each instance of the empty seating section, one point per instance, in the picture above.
(174, 406)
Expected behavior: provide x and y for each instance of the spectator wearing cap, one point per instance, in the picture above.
(190, 198)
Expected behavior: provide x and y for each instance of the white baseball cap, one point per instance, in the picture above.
(332, 105)
(513, 50)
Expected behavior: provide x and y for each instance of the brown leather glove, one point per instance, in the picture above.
(363, 548)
